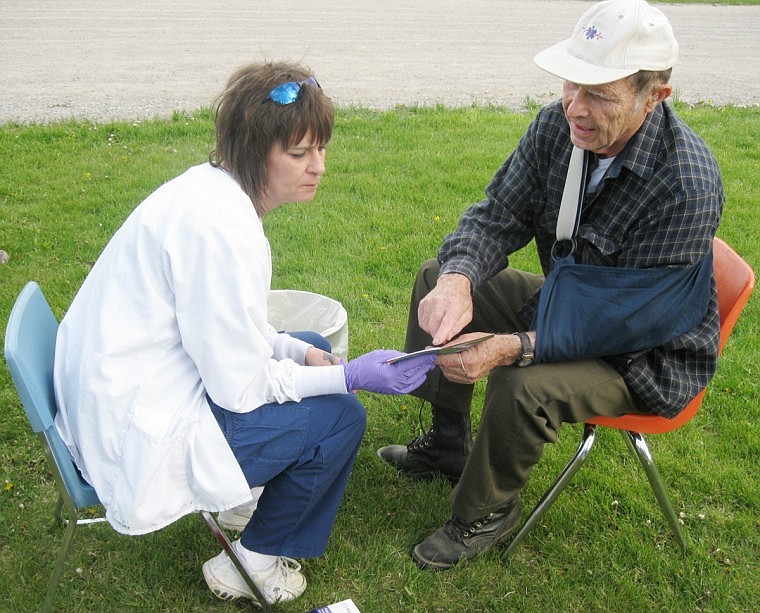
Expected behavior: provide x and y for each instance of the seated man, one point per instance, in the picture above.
(652, 204)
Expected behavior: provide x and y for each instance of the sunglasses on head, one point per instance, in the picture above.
(288, 93)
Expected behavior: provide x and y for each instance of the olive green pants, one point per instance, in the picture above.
(523, 407)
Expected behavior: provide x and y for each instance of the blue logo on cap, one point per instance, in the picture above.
(592, 33)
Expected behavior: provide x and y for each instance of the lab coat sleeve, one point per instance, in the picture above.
(218, 262)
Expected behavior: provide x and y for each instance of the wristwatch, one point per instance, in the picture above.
(528, 354)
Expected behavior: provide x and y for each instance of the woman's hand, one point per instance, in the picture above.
(372, 373)
(317, 357)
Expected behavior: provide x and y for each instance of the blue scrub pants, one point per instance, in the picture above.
(303, 452)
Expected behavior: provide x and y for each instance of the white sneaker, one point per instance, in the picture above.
(280, 583)
(237, 518)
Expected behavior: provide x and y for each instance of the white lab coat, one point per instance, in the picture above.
(175, 307)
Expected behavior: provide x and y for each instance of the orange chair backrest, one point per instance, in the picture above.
(735, 280)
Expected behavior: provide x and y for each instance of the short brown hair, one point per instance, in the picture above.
(248, 124)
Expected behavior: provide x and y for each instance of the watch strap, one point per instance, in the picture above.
(528, 353)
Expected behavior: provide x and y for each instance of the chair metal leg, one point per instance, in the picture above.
(638, 445)
(587, 442)
(67, 515)
(227, 546)
(58, 512)
(63, 552)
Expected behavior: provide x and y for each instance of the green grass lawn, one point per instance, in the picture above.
(396, 184)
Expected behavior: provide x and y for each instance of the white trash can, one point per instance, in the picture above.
(291, 310)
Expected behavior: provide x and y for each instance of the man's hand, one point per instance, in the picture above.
(479, 360)
(447, 308)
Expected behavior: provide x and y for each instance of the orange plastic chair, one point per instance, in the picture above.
(735, 280)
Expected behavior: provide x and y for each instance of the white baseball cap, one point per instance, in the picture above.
(612, 40)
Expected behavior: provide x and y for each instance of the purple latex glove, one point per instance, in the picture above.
(372, 373)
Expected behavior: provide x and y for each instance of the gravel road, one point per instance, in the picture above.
(117, 60)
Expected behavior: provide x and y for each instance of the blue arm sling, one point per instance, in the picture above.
(593, 311)
(589, 311)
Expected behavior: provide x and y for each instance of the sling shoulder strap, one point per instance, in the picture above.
(572, 196)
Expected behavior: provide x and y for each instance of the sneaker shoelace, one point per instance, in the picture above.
(284, 567)
(287, 565)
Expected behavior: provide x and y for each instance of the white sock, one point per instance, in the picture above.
(255, 562)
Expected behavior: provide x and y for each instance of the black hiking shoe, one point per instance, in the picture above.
(441, 452)
(458, 539)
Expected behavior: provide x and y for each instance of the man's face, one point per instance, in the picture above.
(603, 118)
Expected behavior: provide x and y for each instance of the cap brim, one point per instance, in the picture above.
(558, 61)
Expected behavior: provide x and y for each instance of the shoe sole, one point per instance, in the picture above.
(431, 564)
(225, 596)
(228, 595)
(426, 564)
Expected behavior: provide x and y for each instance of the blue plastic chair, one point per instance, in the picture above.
(30, 352)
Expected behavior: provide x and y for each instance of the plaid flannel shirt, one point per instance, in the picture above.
(659, 205)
